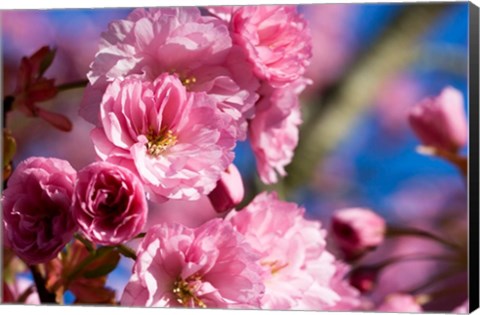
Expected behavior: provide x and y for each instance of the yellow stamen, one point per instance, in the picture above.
(185, 294)
(275, 266)
(189, 80)
(160, 142)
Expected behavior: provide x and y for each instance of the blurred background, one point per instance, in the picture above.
(371, 63)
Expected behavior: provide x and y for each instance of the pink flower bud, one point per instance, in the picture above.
(357, 230)
(36, 208)
(441, 122)
(364, 278)
(229, 191)
(109, 203)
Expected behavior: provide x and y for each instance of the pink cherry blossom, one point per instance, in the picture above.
(441, 122)
(273, 132)
(297, 268)
(350, 298)
(36, 208)
(229, 190)
(109, 203)
(178, 142)
(400, 303)
(276, 40)
(356, 230)
(210, 266)
(198, 49)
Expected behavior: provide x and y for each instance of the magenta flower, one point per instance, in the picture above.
(400, 303)
(36, 208)
(229, 190)
(109, 203)
(276, 40)
(198, 49)
(178, 142)
(357, 230)
(210, 266)
(441, 122)
(297, 267)
(273, 132)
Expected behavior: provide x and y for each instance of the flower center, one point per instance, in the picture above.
(188, 80)
(184, 292)
(160, 142)
(275, 266)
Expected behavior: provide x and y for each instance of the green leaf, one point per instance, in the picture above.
(102, 270)
(47, 61)
(106, 260)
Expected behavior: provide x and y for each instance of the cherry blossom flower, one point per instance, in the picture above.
(441, 122)
(109, 203)
(198, 49)
(273, 132)
(350, 298)
(177, 142)
(276, 40)
(357, 230)
(297, 268)
(210, 266)
(36, 208)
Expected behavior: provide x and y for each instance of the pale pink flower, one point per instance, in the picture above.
(273, 132)
(297, 267)
(400, 303)
(36, 208)
(350, 298)
(211, 266)
(357, 230)
(185, 212)
(198, 49)
(276, 40)
(441, 122)
(178, 142)
(229, 190)
(109, 203)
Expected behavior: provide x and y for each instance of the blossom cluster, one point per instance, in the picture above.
(170, 93)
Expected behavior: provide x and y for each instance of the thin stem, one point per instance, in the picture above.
(23, 297)
(127, 251)
(394, 231)
(72, 85)
(88, 245)
(414, 257)
(45, 296)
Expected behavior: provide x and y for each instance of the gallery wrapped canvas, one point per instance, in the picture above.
(273, 157)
